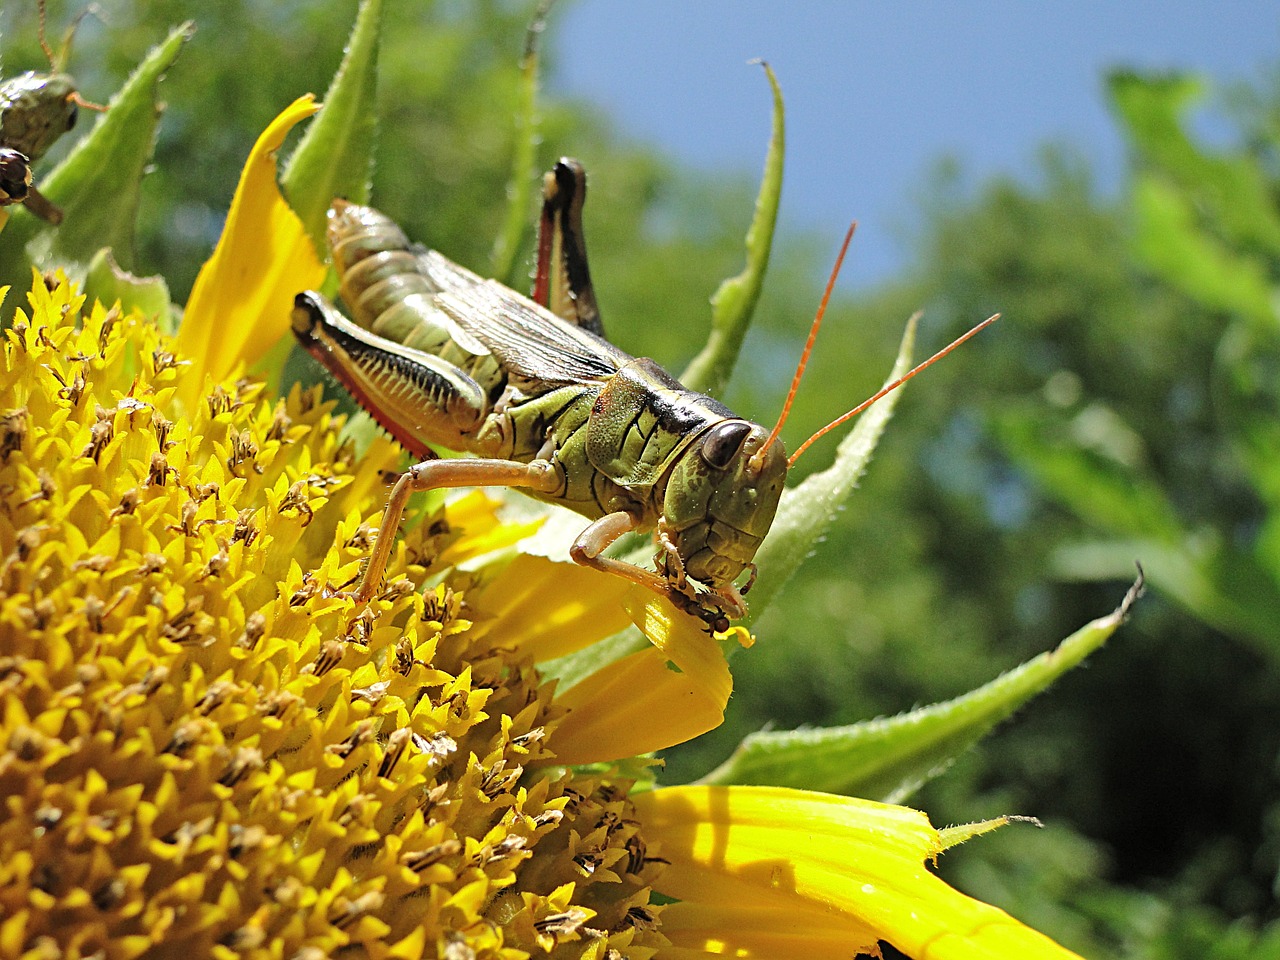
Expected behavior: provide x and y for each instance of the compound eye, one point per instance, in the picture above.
(723, 442)
(72, 114)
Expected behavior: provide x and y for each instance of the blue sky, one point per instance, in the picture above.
(877, 92)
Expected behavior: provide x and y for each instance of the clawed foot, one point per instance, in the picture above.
(715, 609)
(668, 563)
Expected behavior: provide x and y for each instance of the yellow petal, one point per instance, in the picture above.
(765, 871)
(745, 927)
(478, 514)
(242, 298)
(545, 609)
(640, 703)
(685, 642)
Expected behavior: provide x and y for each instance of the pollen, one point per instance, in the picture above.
(206, 748)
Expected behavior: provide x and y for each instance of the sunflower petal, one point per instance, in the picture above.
(547, 609)
(826, 875)
(640, 703)
(241, 300)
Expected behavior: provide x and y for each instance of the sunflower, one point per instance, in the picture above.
(208, 749)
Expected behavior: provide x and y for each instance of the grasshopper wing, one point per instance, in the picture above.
(531, 342)
(443, 273)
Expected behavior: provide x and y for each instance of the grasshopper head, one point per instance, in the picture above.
(41, 107)
(720, 500)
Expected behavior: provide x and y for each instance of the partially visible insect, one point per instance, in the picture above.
(442, 357)
(35, 110)
(15, 177)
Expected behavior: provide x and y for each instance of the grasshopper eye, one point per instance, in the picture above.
(72, 114)
(724, 441)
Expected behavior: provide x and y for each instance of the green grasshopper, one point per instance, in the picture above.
(35, 110)
(440, 356)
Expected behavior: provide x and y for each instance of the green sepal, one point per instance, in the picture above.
(1223, 587)
(504, 258)
(97, 185)
(889, 758)
(335, 156)
(950, 837)
(808, 509)
(734, 303)
(107, 282)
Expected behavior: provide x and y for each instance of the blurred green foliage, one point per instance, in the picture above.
(1178, 461)
(1145, 404)
(1125, 408)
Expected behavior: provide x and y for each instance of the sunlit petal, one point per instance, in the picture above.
(242, 297)
(546, 609)
(667, 694)
(809, 863)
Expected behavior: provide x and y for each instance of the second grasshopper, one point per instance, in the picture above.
(35, 110)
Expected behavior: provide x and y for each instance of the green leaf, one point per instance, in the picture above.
(1152, 107)
(1170, 240)
(504, 258)
(808, 509)
(97, 185)
(889, 758)
(1259, 449)
(108, 283)
(335, 156)
(1231, 191)
(733, 304)
(1087, 468)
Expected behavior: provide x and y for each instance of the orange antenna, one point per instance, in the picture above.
(758, 457)
(74, 97)
(889, 388)
(58, 61)
(44, 44)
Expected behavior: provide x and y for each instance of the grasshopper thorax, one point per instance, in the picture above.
(720, 499)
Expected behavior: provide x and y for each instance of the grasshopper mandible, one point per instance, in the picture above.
(440, 356)
(35, 110)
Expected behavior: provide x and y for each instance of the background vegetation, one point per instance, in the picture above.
(1126, 408)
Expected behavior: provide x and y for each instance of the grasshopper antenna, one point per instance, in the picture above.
(44, 44)
(80, 101)
(758, 457)
(59, 63)
(889, 388)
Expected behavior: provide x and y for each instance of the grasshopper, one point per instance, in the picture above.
(440, 356)
(35, 110)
